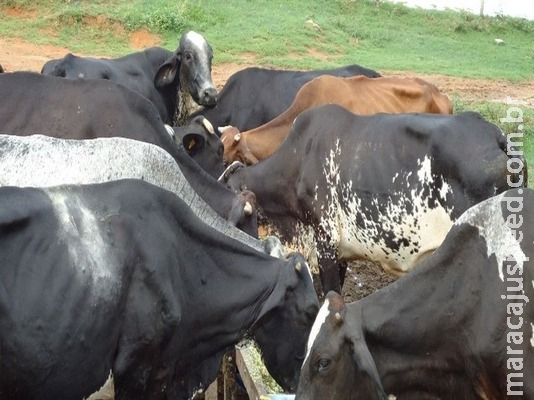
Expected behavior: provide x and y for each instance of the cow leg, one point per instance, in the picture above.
(329, 270)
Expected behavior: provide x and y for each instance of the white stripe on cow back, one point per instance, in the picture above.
(424, 228)
(316, 328)
(488, 219)
(532, 337)
(87, 248)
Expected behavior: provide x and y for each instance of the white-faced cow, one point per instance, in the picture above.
(84, 109)
(384, 188)
(458, 327)
(168, 79)
(122, 276)
(359, 94)
(254, 96)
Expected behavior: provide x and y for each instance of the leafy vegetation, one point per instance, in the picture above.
(299, 34)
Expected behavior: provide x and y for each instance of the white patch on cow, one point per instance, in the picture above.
(425, 170)
(418, 231)
(107, 391)
(316, 328)
(170, 131)
(43, 161)
(488, 219)
(308, 269)
(79, 229)
(532, 337)
(196, 393)
(196, 39)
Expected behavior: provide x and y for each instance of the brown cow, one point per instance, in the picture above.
(359, 94)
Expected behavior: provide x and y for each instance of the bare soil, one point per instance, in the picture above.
(16, 55)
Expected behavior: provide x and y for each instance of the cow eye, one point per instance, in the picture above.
(188, 56)
(323, 364)
(311, 312)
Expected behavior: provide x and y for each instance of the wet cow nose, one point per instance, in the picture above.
(210, 97)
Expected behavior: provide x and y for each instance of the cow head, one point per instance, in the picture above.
(244, 213)
(338, 363)
(191, 64)
(202, 144)
(235, 146)
(285, 322)
(231, 177)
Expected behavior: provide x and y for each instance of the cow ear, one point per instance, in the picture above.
(366, 365)
(193, 142)
(168, 71)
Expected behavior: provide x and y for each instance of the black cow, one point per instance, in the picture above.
(384, 188)
(168, 79)
(458, 327)
(202, 144)
(82, 109)
(122, 276)
(254, 96)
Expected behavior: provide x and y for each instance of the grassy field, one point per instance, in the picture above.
(299, 34)
(276, 32)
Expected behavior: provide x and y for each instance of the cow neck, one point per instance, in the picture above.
(273, 181)
(251, 283)
(264, 140)
(211, 191)
(431, 303)
(184, 104)
(209, 199)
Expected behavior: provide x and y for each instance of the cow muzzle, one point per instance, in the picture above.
(208, 97)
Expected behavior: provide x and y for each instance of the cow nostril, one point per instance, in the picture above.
(210, 97)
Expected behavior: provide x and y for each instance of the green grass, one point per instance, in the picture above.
(494, 112)
(276, 33)
(390, 37)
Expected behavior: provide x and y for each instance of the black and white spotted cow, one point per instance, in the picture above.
(123, 276)
(384, 188)
(461, 326)
(168, 79)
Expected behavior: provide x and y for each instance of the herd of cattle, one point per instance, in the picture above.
(129, 232)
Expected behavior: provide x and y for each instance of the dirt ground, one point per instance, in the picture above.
(363, 278)
(16, 54)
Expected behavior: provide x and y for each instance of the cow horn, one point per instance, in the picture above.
(207, 124)
(237, 137)
(298, 267)
(338, 318)
(170, 131)
(222, 129)
(247, 208)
